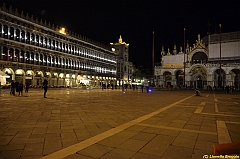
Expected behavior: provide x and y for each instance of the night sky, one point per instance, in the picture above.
(105, 20)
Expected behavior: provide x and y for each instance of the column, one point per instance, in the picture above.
(187, 80)
(24, 57)
(1, 30)
(14, 34)
(8, 54)
(13, 56)
(229, 80)
(8, 35)
(34, 57)
(161, 81)
(173, 80)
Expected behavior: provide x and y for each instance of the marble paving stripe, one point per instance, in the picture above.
(203, 103)
(178, 129)
(223, 135)
(198, 110)
(232, 122)
(222, 114)
(235, 102)
(186, 106)
(88, 142)
(215, 99)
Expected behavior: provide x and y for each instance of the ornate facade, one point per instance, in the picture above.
(125, 68)
(212, 61)
(32, 50)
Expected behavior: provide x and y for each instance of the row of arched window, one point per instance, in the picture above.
(53, 61)
(35, 39)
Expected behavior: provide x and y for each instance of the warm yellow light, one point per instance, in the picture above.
(61, 75)
(62, 31)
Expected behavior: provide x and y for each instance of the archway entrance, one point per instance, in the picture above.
(168, 79)
(219, 78)
(198, 77)
(236, 78)
(179, 78)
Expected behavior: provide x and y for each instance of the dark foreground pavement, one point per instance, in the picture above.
(107, 124)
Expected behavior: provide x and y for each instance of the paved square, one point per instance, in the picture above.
(74, 123)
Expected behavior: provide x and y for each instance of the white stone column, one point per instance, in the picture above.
(229, 79)
(187, 80)
(210, 80)
(162, 81)
(173, 80)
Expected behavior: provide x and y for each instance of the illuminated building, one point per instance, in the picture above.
(212, 61)
(32, 50)
(125, 68)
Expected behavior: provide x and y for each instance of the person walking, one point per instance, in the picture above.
(45, 87)
(20, 89)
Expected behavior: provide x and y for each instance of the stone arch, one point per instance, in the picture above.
(198, 75)
(20, 72)
(55, 75)
(167, 78)
(235, 74)
(179, 75)
(203, 51)
(199, 57)
(11, 33)
(10, 73)
(23, 36)
(19, 75)
(219, 77)
(18, 34)
(5, 31)
(38, 78)
(47, 75)
(11, 54)
(39, 74)
(29, 72)
(17, 55)
(32, 38)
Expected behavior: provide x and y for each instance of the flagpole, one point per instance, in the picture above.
(220, 62)
(153, 56)
(184, 60)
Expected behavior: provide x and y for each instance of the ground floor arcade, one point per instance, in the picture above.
(199, 76)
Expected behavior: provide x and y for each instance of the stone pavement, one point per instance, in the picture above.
(106, 124)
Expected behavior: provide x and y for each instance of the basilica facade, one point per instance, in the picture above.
(213, 61)
(33, 50)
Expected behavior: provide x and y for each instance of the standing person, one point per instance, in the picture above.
(45, 87)
(27, 87)
(123, 88)
(13, 87)
(142, 88)
(20, 88)
(16, 86)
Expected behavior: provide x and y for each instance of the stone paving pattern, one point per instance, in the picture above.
(32, 127)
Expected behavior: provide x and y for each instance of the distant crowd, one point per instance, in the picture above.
(18, 87)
